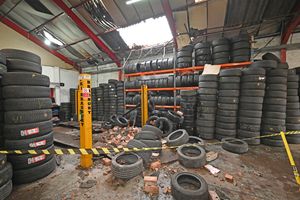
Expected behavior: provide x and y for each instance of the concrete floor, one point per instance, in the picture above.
(263, 173)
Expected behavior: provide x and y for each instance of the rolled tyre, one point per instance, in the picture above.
(121, 121)
(178, 137)
(27, 104)
(197, 186)
(234, 145)
(5, 190)
(25, 92)
(126, 165)
(191, 156)
(145, 155)
(154, 129)
(25, 78)
(23, 117)
(5, 174)
(165, 125)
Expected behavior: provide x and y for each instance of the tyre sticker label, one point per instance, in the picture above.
(36, 159)
(29, 131)
(38, 144)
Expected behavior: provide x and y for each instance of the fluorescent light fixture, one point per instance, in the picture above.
(132, 1)
(50, 39)
(147, 33)
(47, 42)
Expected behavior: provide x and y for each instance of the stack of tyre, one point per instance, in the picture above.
(100, 103)
(94, 104)
(275, 102)
(228, 103)
(251, 103)
(207, 106)
(73, 102)
(112, 93)
(240, 49)
(293, 111)
(184, 57)
(120, 98)
(189, 108)
(65, 111)
(202, 53)
(220, 51)
(106, 101)
(5, 167)
(27, 124)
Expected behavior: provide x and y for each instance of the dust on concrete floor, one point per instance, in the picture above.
(263, 173)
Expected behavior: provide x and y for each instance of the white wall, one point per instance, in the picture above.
(103, 78)
(57, 76)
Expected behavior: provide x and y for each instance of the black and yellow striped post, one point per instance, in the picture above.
(144, 104)
(85, 118)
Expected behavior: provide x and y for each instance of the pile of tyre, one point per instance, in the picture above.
(94, 104)
(228, 103)
(5, 167)
(120, 98)
(184, 57)
(27, 116)
(207, 106)
(106, 101)
(189, 108)
(100, 102)
(240, 48)
(202, 53)
(251, 102)
(112, 93)
(220, 51)
(292, 108)
(65, 111)
(275, 102)
(73, 102)
(151, 65)
(165, 100)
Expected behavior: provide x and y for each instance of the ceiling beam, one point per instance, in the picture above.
(88, 31)
(37, 41)
(169, 15)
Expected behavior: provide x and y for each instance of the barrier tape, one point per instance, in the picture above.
(102, 150)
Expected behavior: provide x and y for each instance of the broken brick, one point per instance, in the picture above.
(213, 195)
(229, 178)
(151, 189)
(106, 161)
(155, 165)
(152, 179)
(167, 190)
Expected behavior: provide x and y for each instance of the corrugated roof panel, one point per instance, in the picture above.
(128, 11)
(278, 8)
(157, 7)
(87, 48)
(114, 40)
(144, 10)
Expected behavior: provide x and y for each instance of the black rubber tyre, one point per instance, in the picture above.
(5, 190)
(32, 174)
(264, 64)
(26, 161)
(220, 55)
(270, 142)
(250, 113)
(151, 120)
(276, 87)
(23, 117)
(207, 104)
(25, 92)
(277, 80)
(251, 106)
(241, 45)
(27, 104)
(276, 94)
(191, 156)
(253, 71)
(293, 85)
(229, 80)
(277, 73)
(206, 133)
(256, 93)
(180, 180)
(258, 100)
(241, 52)
(126, 165)
(227, 113)
(25, 78)
(253, 85)
(145, 155)
(270, 56)
(17, 65)
(26, 131)
(40, 142)
(221, 61)
(174, 116)
(226, 119)
(208, 84)
(275, 101)
(204, 97)
(207, 91)
(229, 93)
(220, 48)
(253, 78)
(3, 69)
(275, 108)
(226, 132)
(165, 125)
(2, 59)
(154, 129)
(153, 144)
(229, 86)
(121, 121)
(196, 140)
(20, 54)
(229, 126)
(230, 72)
(177, 138)
(248, 120)
(146, 135)
(5, 174)
(208, 77)
(228, 106)
(234, 145)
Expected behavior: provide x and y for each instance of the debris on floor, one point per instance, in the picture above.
(150, 185)
(213, 170)
(211, 156)
(88, 184)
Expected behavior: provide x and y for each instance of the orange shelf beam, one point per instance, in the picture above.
(188, 69)
(163, 89)
(157, 106)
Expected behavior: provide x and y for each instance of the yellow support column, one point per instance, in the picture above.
(85, 118)
(144, 104)
(290, 156)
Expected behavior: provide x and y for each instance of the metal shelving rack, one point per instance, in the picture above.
(175, 71)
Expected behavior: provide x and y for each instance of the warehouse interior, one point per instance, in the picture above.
(149, 99)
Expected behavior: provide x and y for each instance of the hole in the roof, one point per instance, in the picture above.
(38, 6)
(147, 33)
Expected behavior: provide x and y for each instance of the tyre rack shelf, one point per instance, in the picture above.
(156, 106)
(164, 89)
(182, 70)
